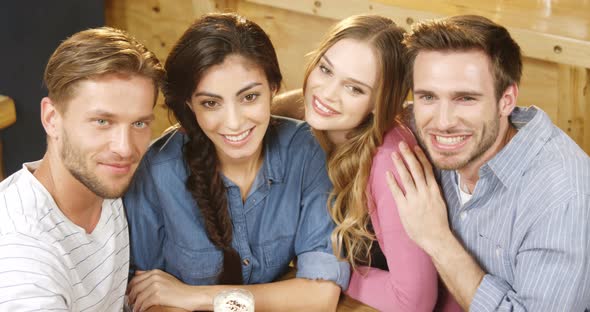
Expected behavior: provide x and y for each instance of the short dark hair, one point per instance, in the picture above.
(469, 32)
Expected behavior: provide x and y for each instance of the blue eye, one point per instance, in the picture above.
(101, 122)
(140, 124)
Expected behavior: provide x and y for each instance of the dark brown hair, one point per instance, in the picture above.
(469, 32)
(97, 52)
(207, 42)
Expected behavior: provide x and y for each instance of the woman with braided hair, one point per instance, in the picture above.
(233, 194)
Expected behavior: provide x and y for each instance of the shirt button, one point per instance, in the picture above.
(463, 215)
(245, 262)
(498, 251)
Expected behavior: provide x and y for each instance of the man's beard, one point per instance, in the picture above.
(489, 134)
(73, 160)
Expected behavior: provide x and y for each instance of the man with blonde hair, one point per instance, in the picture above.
(64, 241)
(511, 231)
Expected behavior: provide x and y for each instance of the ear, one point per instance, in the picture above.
(507, 102)
(50, 117)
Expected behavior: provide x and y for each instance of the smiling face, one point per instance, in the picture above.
(232, 106)
(104, 131)
(458, 118)
(339, 89)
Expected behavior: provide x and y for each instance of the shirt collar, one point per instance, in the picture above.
(534, 130)
(273, 163)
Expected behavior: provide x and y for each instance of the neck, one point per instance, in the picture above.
(76, 201)
(337, 137)
(470, 173)
(242, 171)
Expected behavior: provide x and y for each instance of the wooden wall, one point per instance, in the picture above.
(555, 40)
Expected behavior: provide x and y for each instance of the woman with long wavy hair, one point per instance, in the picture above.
(353, 94)
(234, 194)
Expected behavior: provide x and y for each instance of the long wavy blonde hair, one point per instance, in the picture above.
(349, 164)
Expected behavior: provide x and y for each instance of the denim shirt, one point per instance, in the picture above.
(284, 216)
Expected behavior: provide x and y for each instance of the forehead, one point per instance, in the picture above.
(234, 73)
(452, 71)
(115, 94)
(355, 59)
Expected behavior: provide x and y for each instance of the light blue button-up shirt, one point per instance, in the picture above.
(284, 216)
(528, 221)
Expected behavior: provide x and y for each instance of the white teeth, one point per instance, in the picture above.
(237, 138)
(449, 140)
(322, 107)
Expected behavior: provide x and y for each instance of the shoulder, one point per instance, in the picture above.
(562, 162)
(291, 136)
(397, 134)
(166, 148)
(23, 204)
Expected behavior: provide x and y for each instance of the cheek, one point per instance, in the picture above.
(208, 121)
(313, 80)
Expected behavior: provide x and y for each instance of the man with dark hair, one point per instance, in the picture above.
(64, 243)
(514, 234)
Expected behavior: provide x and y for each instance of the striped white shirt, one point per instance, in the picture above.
(49, 263)
(528, 222)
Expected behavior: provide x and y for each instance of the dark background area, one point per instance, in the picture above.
(29, 32)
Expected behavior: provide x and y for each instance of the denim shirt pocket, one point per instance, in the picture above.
(279, 251)
(195, 267)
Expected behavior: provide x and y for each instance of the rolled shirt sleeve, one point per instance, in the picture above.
(313, 247)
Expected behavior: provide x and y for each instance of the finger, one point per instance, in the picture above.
(406, 182)
(143, 276)
(139, 272)
(414, 166)
(145, 300)
(396, 191)
(141, 287)
(427, 166)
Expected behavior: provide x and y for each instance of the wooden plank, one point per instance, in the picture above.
(585, 94)
(293, 34)
(534, 43)
(7, 112)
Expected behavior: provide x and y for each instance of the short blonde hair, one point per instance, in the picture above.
(96, 52)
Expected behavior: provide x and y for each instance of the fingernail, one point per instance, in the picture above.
(403, 145)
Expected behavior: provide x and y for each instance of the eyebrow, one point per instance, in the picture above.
(347, 78)
(453, 94)
(217, 96)
(109, 115)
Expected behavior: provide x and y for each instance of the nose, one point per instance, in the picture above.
(446, 117)
(233, 118)
(330, 89)
(122, 143)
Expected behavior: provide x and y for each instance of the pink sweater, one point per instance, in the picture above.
(411, 283)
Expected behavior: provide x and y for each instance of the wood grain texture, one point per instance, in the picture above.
(549, 80)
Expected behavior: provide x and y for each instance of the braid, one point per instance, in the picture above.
(207, 189)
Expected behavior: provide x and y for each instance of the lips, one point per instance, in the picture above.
(449, 142)
(239, 138)
(118, 168)
(323, 109)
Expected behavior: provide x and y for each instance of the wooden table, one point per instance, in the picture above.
(346, 304)
(7, 118)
